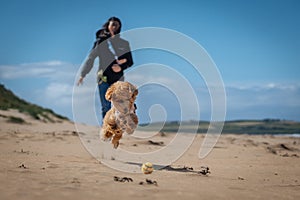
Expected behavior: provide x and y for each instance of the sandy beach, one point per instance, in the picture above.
(43, 160)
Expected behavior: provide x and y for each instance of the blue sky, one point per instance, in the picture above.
(255, 45)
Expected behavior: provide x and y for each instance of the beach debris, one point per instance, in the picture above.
(290, 155)
(156, 143)
(204, 171)
(283, 146)
(23, 166)
(281, 150)
(295, 155)
(124, 179)
(241, 178)
(270, 149)
(22, 151)
(178, 169)
(74, 133)
(149, 182)
(75, 181)
(251, 142)
(266, 143)
(162, 134)
(188, 168)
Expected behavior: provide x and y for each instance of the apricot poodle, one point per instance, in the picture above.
(121, 117)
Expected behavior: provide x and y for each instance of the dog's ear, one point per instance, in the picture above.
(133, 90)
(109, 92)
(135, 93)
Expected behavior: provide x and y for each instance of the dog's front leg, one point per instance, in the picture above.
(109, 126)
(132, 122)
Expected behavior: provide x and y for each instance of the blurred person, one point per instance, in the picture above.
(114, 57)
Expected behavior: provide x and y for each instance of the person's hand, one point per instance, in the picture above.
(122, 61)
(116, 68)
(80, 81)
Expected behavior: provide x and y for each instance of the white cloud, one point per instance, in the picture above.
(269, 100)
(264, 86)
(14, 72)
(55, 70)
(59, 94)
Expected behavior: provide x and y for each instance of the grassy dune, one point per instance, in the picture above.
(8, 100)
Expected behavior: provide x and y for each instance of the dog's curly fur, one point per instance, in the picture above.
(121, 117)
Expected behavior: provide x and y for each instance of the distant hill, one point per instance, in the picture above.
(8, 100)
(265, 126)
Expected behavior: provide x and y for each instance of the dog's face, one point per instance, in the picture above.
(122, 95)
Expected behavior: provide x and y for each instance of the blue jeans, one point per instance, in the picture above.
(106, 105)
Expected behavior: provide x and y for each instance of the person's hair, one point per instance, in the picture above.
(103, 33)
(114, 19)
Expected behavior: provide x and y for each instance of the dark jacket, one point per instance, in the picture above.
(107, 58)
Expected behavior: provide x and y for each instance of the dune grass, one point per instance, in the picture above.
(8, 100)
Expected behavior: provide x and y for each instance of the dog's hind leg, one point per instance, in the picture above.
(115, 139)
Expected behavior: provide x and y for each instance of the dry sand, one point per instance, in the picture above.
(48, 161)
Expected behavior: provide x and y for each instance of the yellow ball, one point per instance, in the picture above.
(147, 168)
